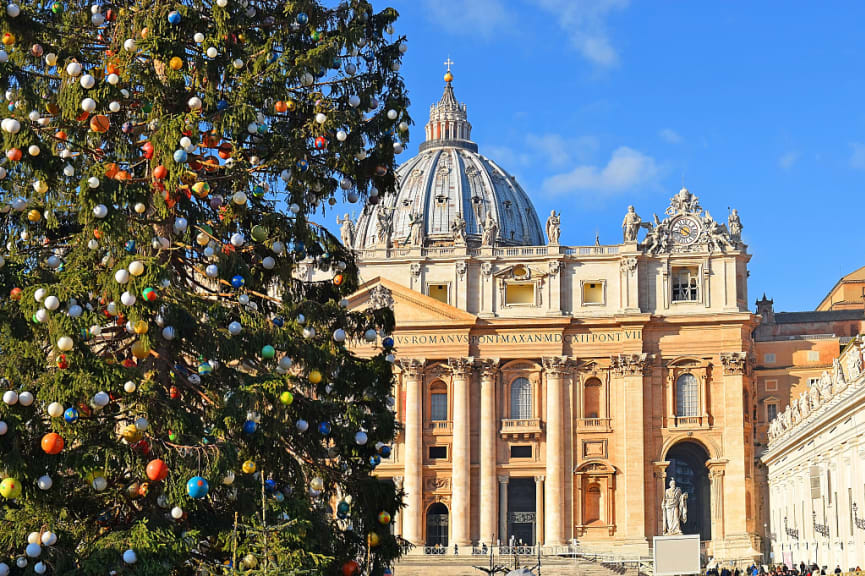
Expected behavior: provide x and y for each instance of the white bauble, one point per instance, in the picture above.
(52, 303)
(398, 148)
(177, 512)
(341, 135)
(40, 294)
(128, 298)
(392, 114)
(101, 399)
(33, 150)
(142, 424)
(96, 330)
(285, 362)
(185, 142)
(268, 262)
(55, 409)
(4, 428)
(234, 328)
(21, 561)
(87, 81)
(49, 538)
(69, 170)
(112, 308)
(294, 208)
(130, 557)
(136, 267)
(42, 315)
(354, 100)
(25, 398)
(45, 482)
(309, 332)
(33, 538)
(140, 208)
(321, 118)
(237, 240)
(180, 225)
(252, 128)
(74, 69)
(129, 44)
(370, 335)
(53, 261)
(168, 333)
(238, 63)
(113, 79)
(114, 106)
(12, 10)
(88, 105)
(198, 37)
(212, 52)
(194, 103)
(121, 276)
(339, 335)
(93, 182)
(99, 483)
(33, 550)
(239, 197)
(129, 387)
(100, 211)
(212, 271)
(243, 299)
(65, 343)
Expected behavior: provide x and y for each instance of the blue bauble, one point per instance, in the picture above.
(303, 165)
(237, 281)
(222, 105)
(279, 322)
(205, 368)
(302, 18)
(298, 246)
(258, 191)
(130, 246)
(180, 156)
(249, 427)
(387, 342)
(174, 17)
(71, 415)
(324, 428)
(269, 485)
(374, 460)
(384, 451)
(342, 509)
(197, 487)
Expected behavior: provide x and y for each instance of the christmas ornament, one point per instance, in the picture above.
(197, 487)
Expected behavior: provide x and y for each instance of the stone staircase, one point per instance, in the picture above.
(449, 565)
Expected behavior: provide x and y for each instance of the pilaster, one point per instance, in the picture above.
(412, 514)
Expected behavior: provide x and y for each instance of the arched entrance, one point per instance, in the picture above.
(688, 467)
(437, 525)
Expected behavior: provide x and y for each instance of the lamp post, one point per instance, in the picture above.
(791, 532)
(821, 529)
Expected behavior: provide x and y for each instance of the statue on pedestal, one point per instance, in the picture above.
(385, 224)
(553, 230)
(674, 509)
(490, 231)
(631, 225)
(346, 230)
(735, 226)
(458, 228)
(415, 229)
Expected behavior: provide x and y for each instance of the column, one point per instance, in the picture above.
(554, 369)
(489, 425)
(660, 486)
(735, 367)
(413, 481)
(716, 479)
(460, 513)
(397, 518)
(503, 510)
(630, 367)
(539, 508)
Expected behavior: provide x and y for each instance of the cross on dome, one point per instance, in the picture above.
(449, 75)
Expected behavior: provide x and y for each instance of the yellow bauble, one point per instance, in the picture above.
(131, 433)
(141, 350)
(291, 104)
(175, 63)
(202, 239)
(141, 327)
(373, 539)
(8, 39)
(315, 376)
(34, 215)
(249, 467)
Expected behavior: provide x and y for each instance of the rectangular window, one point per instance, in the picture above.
(593, 292)
(686, 284)
(769, 358)
(438, 407)
(771, 412)
(438, 292)
(521, 451)
(438, 452)
(771, 385)
(522, 294)
(813, 355)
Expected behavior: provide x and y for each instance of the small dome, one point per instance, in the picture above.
(447, 181)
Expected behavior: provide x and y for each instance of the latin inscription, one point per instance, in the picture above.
(524, 338)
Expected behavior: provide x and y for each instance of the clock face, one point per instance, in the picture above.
(685, 231)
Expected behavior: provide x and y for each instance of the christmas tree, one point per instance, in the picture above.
(175, 398)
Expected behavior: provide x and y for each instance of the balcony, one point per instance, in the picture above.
(594, 425)
(521, 428)
(440, 427)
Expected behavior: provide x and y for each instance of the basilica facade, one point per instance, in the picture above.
(548, 393)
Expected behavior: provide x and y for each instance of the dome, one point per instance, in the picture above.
(449, 181)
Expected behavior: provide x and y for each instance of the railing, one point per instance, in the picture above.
(522, 251)
(590, 250)
(407, 251)
(521, 426)
(593, 424)
(440, 427)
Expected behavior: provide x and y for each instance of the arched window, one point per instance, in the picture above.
(438, 402)
(593, 503)
(521, 399)
(592, 398)
(687, 396)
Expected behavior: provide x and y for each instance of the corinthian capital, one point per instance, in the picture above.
(487, 366)
(556, 364)
(413, 367)
(629, 364)
(461, 366)
(734, 363)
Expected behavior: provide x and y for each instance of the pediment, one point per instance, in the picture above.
(411, 308)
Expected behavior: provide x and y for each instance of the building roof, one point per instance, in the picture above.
(449, 179)
(818, 316)
(855, 277)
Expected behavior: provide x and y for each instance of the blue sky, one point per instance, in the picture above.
(594, 105)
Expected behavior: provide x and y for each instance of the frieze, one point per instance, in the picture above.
(606, 337)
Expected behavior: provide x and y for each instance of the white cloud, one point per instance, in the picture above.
(670, 136)
(857, 157)
(478, 17)
(788, 159)
(585, 23)
(626, 170)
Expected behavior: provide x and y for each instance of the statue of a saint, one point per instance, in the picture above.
(735, 226)
(674, 509)
(458, 227)
(415, 229)
(553, 230)
(854, 362)
(346, 230)
(631, 225)
(825, 385)
(490, 231)
(839, 381)
(384, 218)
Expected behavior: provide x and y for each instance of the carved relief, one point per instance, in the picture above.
(461, 366)
(555, 364)
(628, 264)
(554, 266)
(735, 363)
(437, 485)
(411, 367)
(629, 364)
(461, 267)
(380, 297)
(487, 268)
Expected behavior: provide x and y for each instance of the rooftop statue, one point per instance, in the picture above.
(346, 230)
(553, 230)
(631, 225)
(490, 230)
(735, 226)
(458, 227)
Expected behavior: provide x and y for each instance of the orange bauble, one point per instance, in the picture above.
(100, 123)
(15, 294)
(160, 172)
(52, 443)
(61, 135)
(281, 107)
(14, 154)
(157, 470)
(111, 170)
(225, 151)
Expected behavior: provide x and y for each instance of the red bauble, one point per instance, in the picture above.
(52, 443)
(62, 363)
(147, 150)
(350, 568)
(157, 470)
(321, 143)
(173, 393)
(160, 172)
(15, 294)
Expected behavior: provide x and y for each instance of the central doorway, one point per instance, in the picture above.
(688, 467)
(437, 525)
(521, 512)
